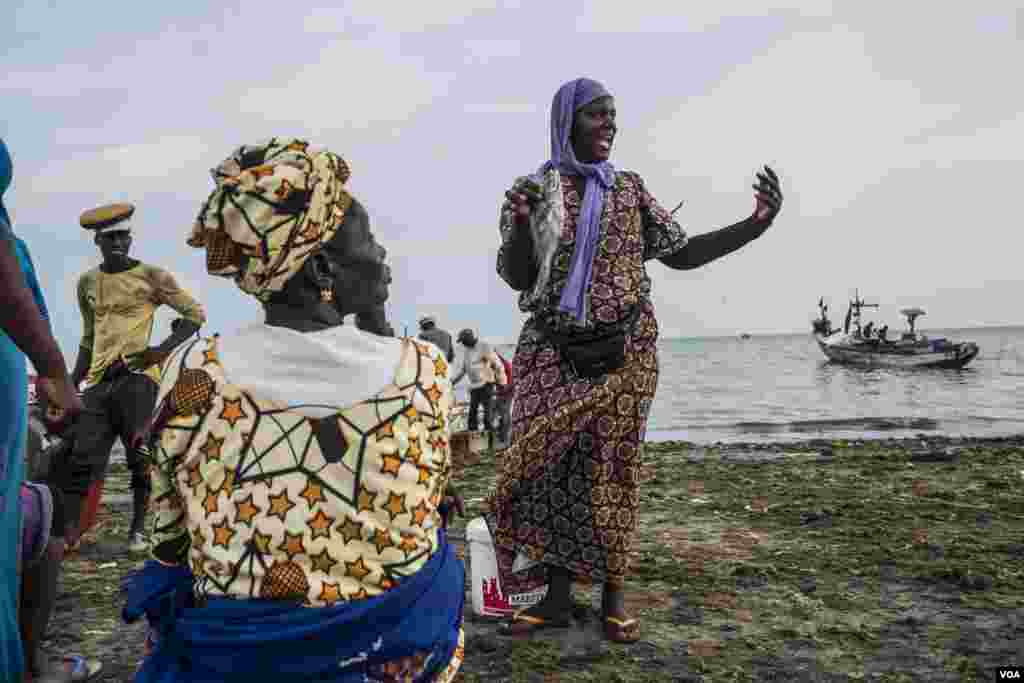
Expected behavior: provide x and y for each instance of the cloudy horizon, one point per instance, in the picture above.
(897, 134)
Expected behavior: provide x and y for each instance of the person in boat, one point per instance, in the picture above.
(883, 333)
(301, 465)
(867, 330)
(24, 331)
(118, 300)
(575, 239)
(429, 331)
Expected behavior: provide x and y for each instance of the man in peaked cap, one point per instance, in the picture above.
(118, 300)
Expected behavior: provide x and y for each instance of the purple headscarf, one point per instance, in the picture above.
(600, 177)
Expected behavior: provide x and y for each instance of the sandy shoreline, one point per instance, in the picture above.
(888, 560)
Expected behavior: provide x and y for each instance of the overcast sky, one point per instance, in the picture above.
(897, 130)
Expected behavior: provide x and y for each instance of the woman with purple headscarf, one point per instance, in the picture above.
(576, 237)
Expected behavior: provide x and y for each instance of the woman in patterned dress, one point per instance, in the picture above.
(300, 466)
(576, 238)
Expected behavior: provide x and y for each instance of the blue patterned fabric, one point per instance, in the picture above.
(245, 640)
(13, 423)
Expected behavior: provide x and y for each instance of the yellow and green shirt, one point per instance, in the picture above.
(118, 309)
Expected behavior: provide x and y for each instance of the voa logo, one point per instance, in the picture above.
(1009, 675)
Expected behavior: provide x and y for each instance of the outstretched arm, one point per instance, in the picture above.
(703, 249)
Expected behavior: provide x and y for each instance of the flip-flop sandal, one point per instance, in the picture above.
(621, 630)
(71, 669)
(523, 624)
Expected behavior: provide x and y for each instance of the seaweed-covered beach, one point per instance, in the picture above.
(816, 561)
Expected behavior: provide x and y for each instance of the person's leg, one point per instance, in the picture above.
(133, 401)
(619, 626)
(499, 416)
(487, 398)
(506, 419)
(92, 437)
(553, 609)
(474, 408)
(38, 514)
(38, 597)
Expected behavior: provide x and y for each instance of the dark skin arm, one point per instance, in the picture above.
(21, 320)
(704, 249)
(699, 250)
(521, 266)
(183, 329)
(82, 364)
(520, 262)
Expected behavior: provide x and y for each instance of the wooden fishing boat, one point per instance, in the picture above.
(857, 344)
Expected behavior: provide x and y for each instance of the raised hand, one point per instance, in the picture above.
(522, 197)
(768, 195)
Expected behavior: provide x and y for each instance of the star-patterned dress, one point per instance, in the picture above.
(567, 488)
(266, 503)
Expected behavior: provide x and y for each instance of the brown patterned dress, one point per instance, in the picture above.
(567, 488)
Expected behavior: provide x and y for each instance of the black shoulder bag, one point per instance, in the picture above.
(592, 354)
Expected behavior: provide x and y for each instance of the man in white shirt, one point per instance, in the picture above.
(484, 369)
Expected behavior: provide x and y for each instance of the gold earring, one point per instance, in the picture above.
(327, 295)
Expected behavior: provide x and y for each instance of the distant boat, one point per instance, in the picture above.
(745, 335)
(858, 344)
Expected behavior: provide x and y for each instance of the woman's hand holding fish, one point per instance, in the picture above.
(522, 197)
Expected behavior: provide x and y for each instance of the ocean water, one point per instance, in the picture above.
(781, 388)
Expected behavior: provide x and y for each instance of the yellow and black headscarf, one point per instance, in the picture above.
(274, 205)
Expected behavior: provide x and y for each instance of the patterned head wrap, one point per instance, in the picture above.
(274, 205)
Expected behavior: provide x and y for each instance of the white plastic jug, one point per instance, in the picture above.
(489, 597)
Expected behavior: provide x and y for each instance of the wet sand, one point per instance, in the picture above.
(897, 560)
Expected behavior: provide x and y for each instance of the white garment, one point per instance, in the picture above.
(481, 365)
(316, 373)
